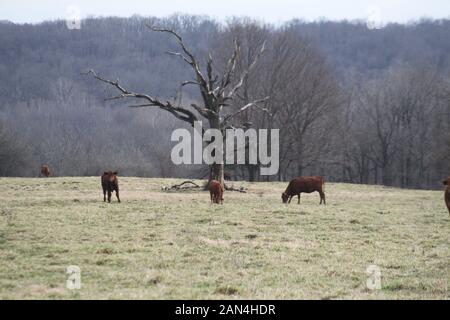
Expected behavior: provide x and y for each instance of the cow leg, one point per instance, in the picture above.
(117, 195)
(447, 202)
(104, 195)
(298, 198)
(322, 197)
(290, 198)
(109, 195)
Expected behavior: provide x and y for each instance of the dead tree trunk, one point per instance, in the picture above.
(216, 173)
(216, 169)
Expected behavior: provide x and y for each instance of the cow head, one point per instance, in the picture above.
(111, 175)
(447, 182)
(284, 197)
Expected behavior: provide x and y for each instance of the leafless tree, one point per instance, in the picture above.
(396, 124)
(307, 94)
(216, 92)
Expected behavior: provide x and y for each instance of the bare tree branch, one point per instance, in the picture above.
(141, 105)
(231, 65)
(253, 104)
(179, 112)
(179, 55)
(185, 83)
(204, 111)
(246, 72)
(191, 61)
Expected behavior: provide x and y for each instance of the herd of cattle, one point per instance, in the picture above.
(110, 183)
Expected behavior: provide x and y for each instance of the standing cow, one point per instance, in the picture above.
(215, 191)
(306, 185)
(447, 193)
(110, 183)
(45, 171)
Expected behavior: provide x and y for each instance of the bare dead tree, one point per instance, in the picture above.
(217, 92)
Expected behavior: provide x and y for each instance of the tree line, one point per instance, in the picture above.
(352, 104)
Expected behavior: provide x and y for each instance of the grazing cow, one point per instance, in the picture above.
(306, 185)
(45, 171)
(447, 193)
(215, 191)
(110, 183)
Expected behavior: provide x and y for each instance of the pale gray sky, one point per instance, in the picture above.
(274, 11)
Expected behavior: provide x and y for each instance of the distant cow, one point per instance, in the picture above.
(215, 191)
(447, 193)
(110, 183)
(306, 185)
(226, 176)
(45, 171)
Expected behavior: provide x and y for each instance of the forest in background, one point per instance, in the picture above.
(353, 104)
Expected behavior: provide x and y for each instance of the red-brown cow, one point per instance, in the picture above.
(447, 193)
(110, 183)
(45, 171)
(306, 185)
(216, 191)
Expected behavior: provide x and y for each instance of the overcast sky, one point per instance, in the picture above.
(274, 11)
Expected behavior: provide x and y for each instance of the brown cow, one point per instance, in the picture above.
(45, 170)
(306, 185)
(110, 183)
(215, 191)
(447, 193)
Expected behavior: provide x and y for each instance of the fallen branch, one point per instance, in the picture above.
(192, 184)
(189, 184)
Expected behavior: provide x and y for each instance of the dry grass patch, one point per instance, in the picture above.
(177, 245)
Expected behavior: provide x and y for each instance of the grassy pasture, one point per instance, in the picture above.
(167, 245)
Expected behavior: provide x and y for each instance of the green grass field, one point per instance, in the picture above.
(176, 245)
